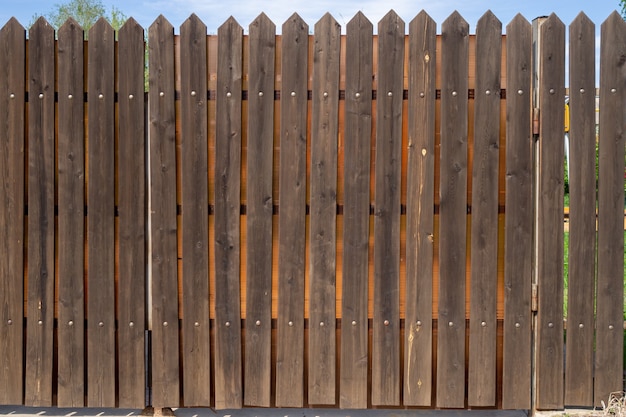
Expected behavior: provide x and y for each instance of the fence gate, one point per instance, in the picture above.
(312, 218)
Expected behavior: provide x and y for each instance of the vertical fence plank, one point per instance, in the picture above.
(71, 218)
(195, 224)
(609, 333)
(323, 235)
(452, 211)
(518, 229)
(39, 332)
(131, 171)
(101, 219)
(418, 351)
(549, 365)
(228, 390)
(258, 353)
(164, 283)
(356, 219)
(386, 335)
(12, 88)
(582, 219)
(291, 227)
(484, 237)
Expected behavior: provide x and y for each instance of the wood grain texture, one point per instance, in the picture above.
(12, 87)
(132, 208)
(291, 220)
(40, 327)
(418, 343)
(164, 280)
(484, 235)
(386, 362)
(582, 214)
(453, 213)
(609, 315)
(518, 229)
(71, 217)
(195, 222)
(228, 377)
(356, 219)
(258, 346)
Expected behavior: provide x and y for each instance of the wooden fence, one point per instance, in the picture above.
(310, 219)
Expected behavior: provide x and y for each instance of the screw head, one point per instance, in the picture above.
(101, 324)
(520, 92)
(386, 322)
(517, 325)
(258, 322)
(454, 94)
(70, 323)
(354, 322)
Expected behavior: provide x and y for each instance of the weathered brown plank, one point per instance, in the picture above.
(12, 87)
(323, 220)
(165, 356)
(518, 229)
(452, 211)
(71, 218)
(291, 220)
(101, 218)
(484, 236)
(131, 171)
(609, 334)
(549, 365)
(582, 214)
(258, 346)
(418, 347)
(228, 389)
(39, 332)
(356, 221)
(386, 324)
(195, 223)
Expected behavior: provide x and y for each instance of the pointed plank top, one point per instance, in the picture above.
(614, 19)
(193, 21)
(390, 22)
(262, 21)
(101, 27)
(582, 19)
(488, 19)
(455, 20)
(327, 21)
(12, 24)
(295, 24)
(518, 21)
(161, 23)
(131, 25)
(422, 18)
(359, 21)
(70, 25)
(41, 24)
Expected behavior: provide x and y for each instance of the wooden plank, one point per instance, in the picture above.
(131, 171)
(195, 224)
(39, 332)
(582, 214)
(323, 220)
(356, 219)
(484, 236)
(101, 218)
(291, 220)
(418, 343)
(258, 346)
(549, 365)
(386, 324)
(12, 88)
(452, 211)
(164, 324)
(71, 218)
(228, 389)
(518, 229)
(609, 316)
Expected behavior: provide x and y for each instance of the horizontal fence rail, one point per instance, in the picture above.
(311, 218)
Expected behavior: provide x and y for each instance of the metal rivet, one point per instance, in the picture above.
(424, 152)
(520, 92)
(450, 324)
(483, 324)
(354, 322)
(41, 95)
(517, 325)
(550, 325)
(260, 93)
(422, 94)
(229, 94)
(325, 94)
(70, 323)
(580, 326)
(130, 96)
(321, 324)
(12, 95)
(196, 324)
(386, 322)
(100, 96)
(69, 96)
(40, 322)
(162, 94)
(419, 323)
(227, 324)
(9, 322)
(389, 94)
(611, 327)
(293, 94)
(613, 90)
(488, 92)
(131, 324)
(357, 95)
(165, 324)
(258, 322)
(551, 91)
(582, 91)
(454, 94)
(290, 323)
(101, 324)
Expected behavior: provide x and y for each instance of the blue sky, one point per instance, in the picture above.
(214, 13)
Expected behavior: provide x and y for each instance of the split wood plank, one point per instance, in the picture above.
(582, 214)
(195, 221)
(609, 316)
(484, 235)
(518, 229)
(41, 176)
(453, 213)
(71, 217)
(12, 88)
(356, 219)
(323, 219)
(386, 362)
(228, 377)
(291, 219)
(549, 365)
(259, 234)
(164, 284)
(132, 195)
(418, 348)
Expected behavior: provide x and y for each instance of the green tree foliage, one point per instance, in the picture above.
(85, 12)
(623, 4)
